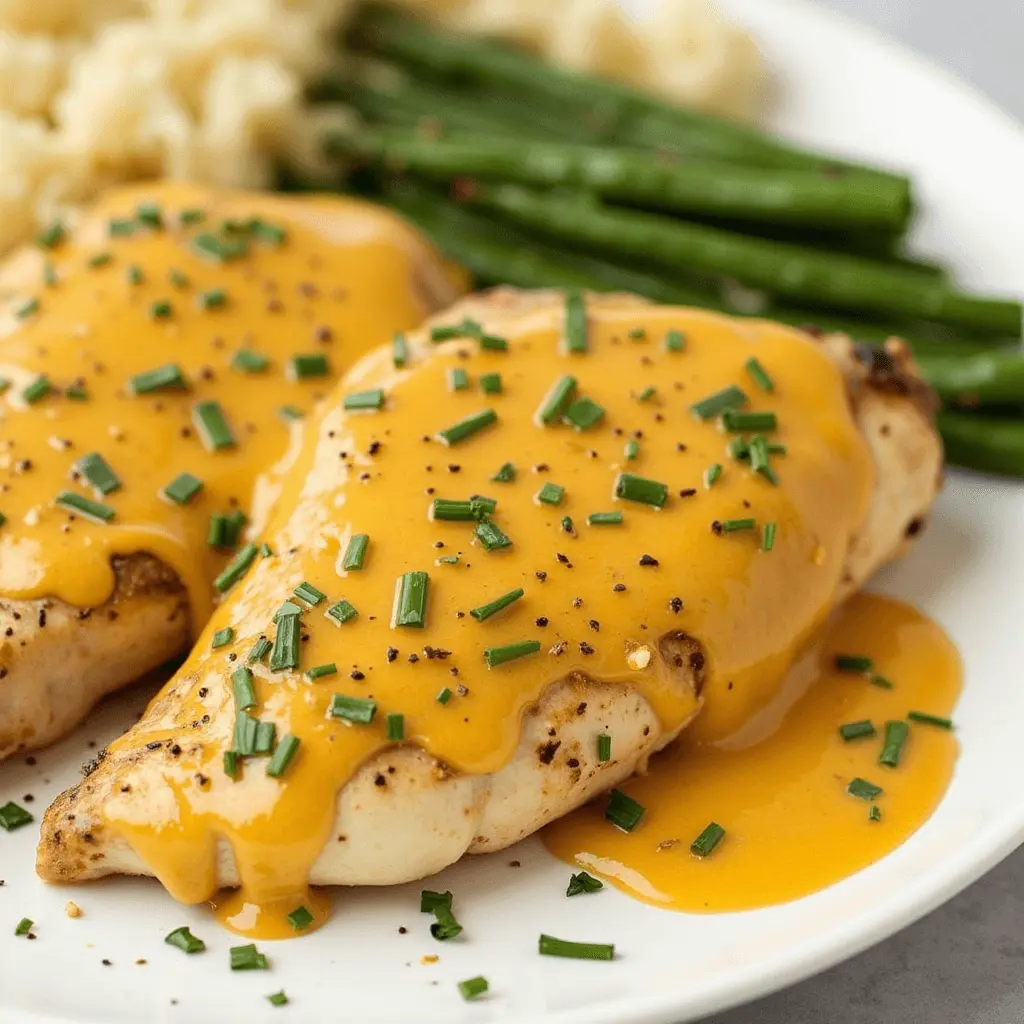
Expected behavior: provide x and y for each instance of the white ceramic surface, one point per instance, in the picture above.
(839, 86)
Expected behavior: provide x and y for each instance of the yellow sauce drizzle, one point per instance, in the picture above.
(791, 827)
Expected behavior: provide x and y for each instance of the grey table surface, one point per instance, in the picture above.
(963, 964)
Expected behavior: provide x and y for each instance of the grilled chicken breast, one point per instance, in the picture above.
(521, 443)
(153, 361)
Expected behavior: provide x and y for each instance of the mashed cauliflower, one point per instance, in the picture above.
(98, 91)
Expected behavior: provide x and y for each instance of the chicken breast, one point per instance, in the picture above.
(153, 360)
(523, 591)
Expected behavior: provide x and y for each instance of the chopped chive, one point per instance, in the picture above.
(183, 939)
(711, 474)
(605, 519)
(217, 533)
(448, 332)
(259, 650)
(495, 656)
(458, 379)
(150, 214)
(863, 790)
(458, 432)
(735, 421)
(768, 536)
(924, 718)
(307, 367)
(278, 998)
(623, 811)
(355, 553)
(431, 900)
(243, 741)
(410, 607)
(461, 511)
(493, 342)
(854, 663)
(133, 274)
(96, 470)
(243, 689)
(24, 926)
(341, 612)
(739, 448)
(94, 511)
(75, 392)
(120, 227)
(760, 458)
(36, 390)
(248, 958)
(880, 681)
(231, 764)
(300, 918)
(26, 309)
(491, 536)
(557, 400)
(637, 334)
(857, 730)
(285, 653)
(164, 378)
(875, 814)
(704, 845)
(447, 560)
(581, 882)
(14, 816)
(566, 524)
(444, 696)
(353, 709)
(490, 383)
(236, 568)
(399, 350)
(290, 414)
(320, 671)
(485, 611)
(51, 236)
(632, 449)
(271, 234)
(395, 726)
(583, 414)
(675, 341)
(604, 747)
(212, 299)
(759, 374)
(896, 733)
(505, 475)
(636, 488)
(714, 405)
(160, 310)
(101, 259)
(265, 550)
(223, 637)
(472, 988)
(364, 401)
(214, 432)
(445, 927)
(575, 323)
(647, 394)
(284, 754)
(50, 277)
(177, 279)
(265, 737)
(187, 217)
(182, 489)
(286, 609)
(734, 525)
(551, 494)
(307, 592)
(548, 945)
(209, 246)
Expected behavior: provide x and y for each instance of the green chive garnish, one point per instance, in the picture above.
(271, 234)
(632, 449)
(604, 747)
(623, 811)
(320, 671)
(444, 696)
(395, 726)
(495, 656)
(265, 550)
(231, 764)
(760, 458)
(485, 611)
(163, 378)
(410, 607)
(307, 592)
(290, 413)
(214, 432)
(26, 309)
(459, 511)
(300, 918)
(307, 367)
(259, 650)
(858, 664)
(51, 236)
(160, 310)
(548, 945)
(458, 379)
(636, 488)
(101, 259)
(711, 474)
(857, 730)
(704, 845)
(566, 524)
(212, 299)
(75, 392)
(505, 475)
(714, 405)
(447, 332)
(236, 568)
(364, 401)
(925, 719)
(355, 553)
(341, 612)
(14, 816)
(675, 341)
(583, 414)
(431, 900)
(863, 790)
(218, 532)
(353, 709)
(472, 988)
(447, 560)
(875, 814)
(265, 737)
(399, 351)
(581, 882)
(119, 227)
(458, 432)
(896, 734)
(150, 214)
(221, 250)
(95, 511)
(637, 334)
(768, 537)
(248, 361)
(187, 217)
(284, 754)
(551, 494)
(739, 448)
(133, 274)
(760, 375)
(575, 323)
(605, 519)
(278, 998)
(557, 400)
(177, 279)
(735, 421)
(183, 939)
(243, 689)
(491, 536)
(36, 390)
(285, 653)
(493, 342)
(223, 637)
(490, 383)
(880, 681)
(182, 489)
(248, 958)
(735, 525)
(244, 738)
(97, 472)
(647, 394)
(24, 926)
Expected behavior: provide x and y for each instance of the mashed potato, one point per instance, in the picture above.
(98, 91)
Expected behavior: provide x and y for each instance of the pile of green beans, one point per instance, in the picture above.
(533, 176)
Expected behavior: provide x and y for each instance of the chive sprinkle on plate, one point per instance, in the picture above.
(557, 400)
(94, 511)
(97, 472)
(467, 427)
(495, 656)
(212, 426)
(364, 401)
(705, 844)
(183, 939)
(248, 958)
(856, 730)
(14, 816)
(863, 790)
(630, 487)
(410, 607)
(581, 882)
(896, 733)
(714, 405)
(923, 718)
(473, 988)
(548, 945)
(357, 710)
(623, 811)
(485, 611)
(182, 489)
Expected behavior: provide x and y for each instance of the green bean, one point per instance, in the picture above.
(626, 114)
(854, 284)
(983, 378)
(715, 190)
(995, 445)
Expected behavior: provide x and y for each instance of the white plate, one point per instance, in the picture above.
(840, 86)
